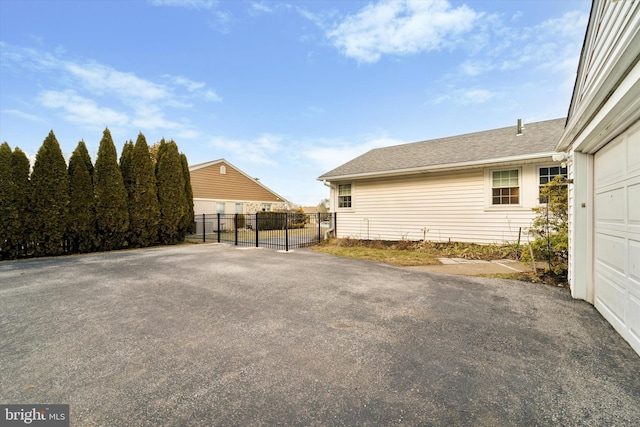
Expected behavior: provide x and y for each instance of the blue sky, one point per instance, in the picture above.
(284, 90)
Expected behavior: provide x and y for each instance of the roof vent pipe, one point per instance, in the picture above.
(520, 127)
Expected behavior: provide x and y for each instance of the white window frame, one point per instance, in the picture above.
(566, 174)
(489, 189)
(351, 195)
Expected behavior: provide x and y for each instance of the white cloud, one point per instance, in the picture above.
(78, 109)
(198, 88)
(23, 115)
(401, 27)
(103, 79)
(261, 150)
(261, 6)
(328, 154)
(81, 91)
(466, 96)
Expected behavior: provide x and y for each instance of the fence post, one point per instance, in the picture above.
(218, 214)
(319, 230)
(257, 230)
(235, 226)
(204, 236)
(335, 224)
(286, 232)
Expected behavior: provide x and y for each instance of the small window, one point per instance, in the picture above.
(223, 170)
(239, 208)
(505, 187)
(547, 174)
(344, 195)
(266, 207)
(220, 207)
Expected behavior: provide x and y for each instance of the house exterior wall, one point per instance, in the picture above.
(606, 102)
(604, 158)
(220, 182)
(210, 183)
(210, 206)
(453, 206)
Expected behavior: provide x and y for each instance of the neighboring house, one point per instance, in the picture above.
(220, 187)
(602, 146)
(479, 187)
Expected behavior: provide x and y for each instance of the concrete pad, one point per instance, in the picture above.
(205, 335)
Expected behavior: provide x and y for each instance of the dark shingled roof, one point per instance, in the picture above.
(478, 147)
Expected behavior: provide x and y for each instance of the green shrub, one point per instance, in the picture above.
(551, 228)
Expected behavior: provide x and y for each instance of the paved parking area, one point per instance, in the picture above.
(204, 335)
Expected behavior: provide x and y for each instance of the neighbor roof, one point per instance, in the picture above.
(491, 146)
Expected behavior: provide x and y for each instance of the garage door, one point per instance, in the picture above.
(617, 234)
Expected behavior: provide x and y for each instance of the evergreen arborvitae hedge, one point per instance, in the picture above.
(20, 170)
(82, 210)
(171, 193)
(112, 214)
(49, 200)
(8, 208)
(125, 165)
(189, 225)
(144, 213)
(125, 170)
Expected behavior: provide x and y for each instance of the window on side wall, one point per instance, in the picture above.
(505, 187)
(344, 195)
(220, 207)
(266, 207)
(547, 174)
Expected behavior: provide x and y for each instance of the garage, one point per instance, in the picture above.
(616, 240)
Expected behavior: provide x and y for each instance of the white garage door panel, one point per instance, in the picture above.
(611, 254)
(617, 234)
(610, 208)
(634, 265)
(608, 168)
(633, 311)
(633, 149)
(611, 301)
(634, 206)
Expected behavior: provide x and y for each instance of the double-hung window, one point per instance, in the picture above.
(344, 195)
(505, 187)
(547, 174)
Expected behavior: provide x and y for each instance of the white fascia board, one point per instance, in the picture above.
(442, 168)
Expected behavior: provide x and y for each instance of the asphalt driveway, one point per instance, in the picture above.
(211, 334)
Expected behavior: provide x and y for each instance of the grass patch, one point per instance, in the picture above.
(407, 254)
(398, 257)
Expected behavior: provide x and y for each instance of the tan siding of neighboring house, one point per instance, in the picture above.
(209, 183)
(453, 206)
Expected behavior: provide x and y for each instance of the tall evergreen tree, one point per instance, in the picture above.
(8, 208)
(189, 225)
(171, 193)
(20, 170)
(144, 213)
(49, 201)
(84, 155)
(126, 157)
(112, 215)
(82, 210)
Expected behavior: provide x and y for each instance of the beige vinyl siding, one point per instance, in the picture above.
(453, 206)
(209, 183)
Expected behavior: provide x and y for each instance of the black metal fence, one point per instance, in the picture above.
(276, 230)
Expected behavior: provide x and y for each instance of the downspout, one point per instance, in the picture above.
(332, 225)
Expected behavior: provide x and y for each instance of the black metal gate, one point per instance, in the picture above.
(276, 230)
